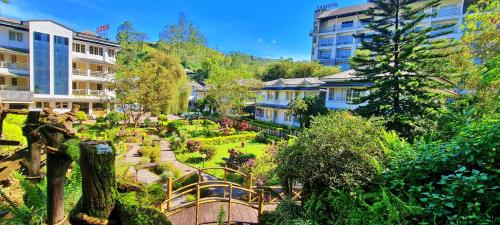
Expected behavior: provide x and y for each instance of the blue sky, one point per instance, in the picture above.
(265, 28)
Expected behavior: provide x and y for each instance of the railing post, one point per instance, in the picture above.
(261, 206)
(229, 205)
(225, 180)
(249, 186)
(197, 203)
(169, 193)
(199, 176)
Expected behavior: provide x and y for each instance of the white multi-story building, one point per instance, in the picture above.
(274, 97)
(333, 42)
(44, 63)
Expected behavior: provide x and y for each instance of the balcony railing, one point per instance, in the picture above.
(326, 42)
(453, 30)
(449, 11)
(13, 65)
(88, 92)
(97, 74)
(13, 88)
(340, 27)
(79, 72)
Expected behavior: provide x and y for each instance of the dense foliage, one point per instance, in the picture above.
(338, 151)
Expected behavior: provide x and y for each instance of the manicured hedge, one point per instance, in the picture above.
(226, 139)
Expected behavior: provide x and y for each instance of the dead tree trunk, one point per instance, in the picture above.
(97, 163)
(36, 144)
(57, 166)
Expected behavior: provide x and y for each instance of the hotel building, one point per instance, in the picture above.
(44, 63)
(333, 42)
(274, 97)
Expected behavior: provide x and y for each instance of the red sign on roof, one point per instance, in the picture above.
(102, 28)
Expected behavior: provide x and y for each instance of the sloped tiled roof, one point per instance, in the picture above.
(195, 86)
(343, 76)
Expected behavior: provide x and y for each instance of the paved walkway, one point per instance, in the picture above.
(132, 156)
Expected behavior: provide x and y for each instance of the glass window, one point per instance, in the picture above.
(41, 65)
(61, 105)
(344, 39)
(258, 112)
(276, 95)
(13, 81)
(15, 36)
(2, 57)
(331, 93)
(13, 58)
(288, 116)
(343, 53)
(347, 24)
(111, 53)
(12, 35)
(353, 94)
(42, 104)
(19, 37)
(2, 80)
(61, 64)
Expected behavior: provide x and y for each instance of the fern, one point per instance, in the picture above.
(221, 215)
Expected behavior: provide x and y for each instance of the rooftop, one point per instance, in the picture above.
(345, 11)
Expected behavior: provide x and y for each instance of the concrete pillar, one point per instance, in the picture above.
(90, 108)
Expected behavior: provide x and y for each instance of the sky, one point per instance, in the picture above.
(264, 28)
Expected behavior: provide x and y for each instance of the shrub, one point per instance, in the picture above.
(193, 145)
(338, 151)
(209, 151)
(113, 118)
(226, 139)
(133, 212)
(243, 126)
(147, 122)
(81, 116)
(169, 168)
(100, 119)
(176, 125)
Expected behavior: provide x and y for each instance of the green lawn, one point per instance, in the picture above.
(194, 159)
(12, 131)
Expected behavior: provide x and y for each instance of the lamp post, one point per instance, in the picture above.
(203, 156)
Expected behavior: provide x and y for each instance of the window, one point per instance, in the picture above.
(61, 64)
(41, 65)
(13, 81)
(331, 94)
(42, 105)
(99, 68)
(276, 95)
(343, 53)
(111, 53)
(325, 54)
(73, 65)
(288, 117)
(77, 47)
(15, 36)
(2, 57)
(344, 39)
(95, 50)
(13, 58)
(347, 24)
(2, 80)
(289, 95)
(353, 94)
(258, 112)
(99, 86)
(61, 105)
(269, 95)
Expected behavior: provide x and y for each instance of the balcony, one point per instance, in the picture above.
(448, 11)
(89, 75)
(13, 88)
(88, 92)
(326, 42)
(79, 72)
(327, 29)
(14, 65)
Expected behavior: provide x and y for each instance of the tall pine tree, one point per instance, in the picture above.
(405, 63)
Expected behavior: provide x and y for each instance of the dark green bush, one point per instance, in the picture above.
(132, 212)
(209, 151)
(338, 151)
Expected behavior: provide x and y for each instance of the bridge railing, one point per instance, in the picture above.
(197, 188)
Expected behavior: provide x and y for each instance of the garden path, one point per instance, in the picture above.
(143, 175)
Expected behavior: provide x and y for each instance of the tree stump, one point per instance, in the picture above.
(36, 143)
(97, 163)
(57, 166)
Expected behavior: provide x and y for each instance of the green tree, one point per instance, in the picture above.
(306, 108)
(338, 151)
(404, 63)
(230, 90)
(154, 81)
(183, 31)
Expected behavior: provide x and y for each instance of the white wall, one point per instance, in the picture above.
(4, 38)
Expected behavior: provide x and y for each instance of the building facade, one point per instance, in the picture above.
(342, 89)
(274, 97)
(333, 42)
(46, 64)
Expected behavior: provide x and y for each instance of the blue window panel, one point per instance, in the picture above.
(61, 65)
(41, 62)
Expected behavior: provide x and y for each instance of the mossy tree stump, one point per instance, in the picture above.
(97, 163)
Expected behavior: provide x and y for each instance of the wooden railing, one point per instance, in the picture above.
(246, 194)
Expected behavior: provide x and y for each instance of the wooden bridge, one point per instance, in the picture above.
(242, 203)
